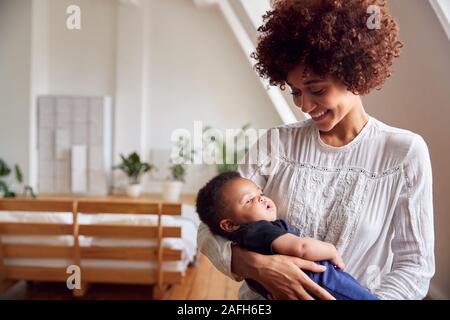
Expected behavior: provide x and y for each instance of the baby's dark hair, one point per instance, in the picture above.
(210, 204)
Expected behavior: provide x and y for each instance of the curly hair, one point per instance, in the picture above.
(331, 38)
(210, 205)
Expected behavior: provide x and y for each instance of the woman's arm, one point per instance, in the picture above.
(308, 249)
(413, 242)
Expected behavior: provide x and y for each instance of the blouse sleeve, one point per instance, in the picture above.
(413, 241)
(215, 247)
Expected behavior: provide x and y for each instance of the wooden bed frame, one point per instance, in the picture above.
(158, 278)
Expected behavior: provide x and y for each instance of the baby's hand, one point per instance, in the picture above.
(338, 261)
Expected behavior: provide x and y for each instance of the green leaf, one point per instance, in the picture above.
(9, 194)
(133, 167)
(19, 175)
(134, 158)
(178, 172)
(4, 169)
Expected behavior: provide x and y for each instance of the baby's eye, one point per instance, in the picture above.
(249, 200)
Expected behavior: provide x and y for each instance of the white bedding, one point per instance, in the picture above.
(110, 264)
(188, 221)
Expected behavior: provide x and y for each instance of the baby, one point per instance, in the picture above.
(236, 209)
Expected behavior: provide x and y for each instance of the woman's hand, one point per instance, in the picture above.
(283, 278)
(280, 275)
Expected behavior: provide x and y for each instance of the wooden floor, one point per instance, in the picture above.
(201, 282)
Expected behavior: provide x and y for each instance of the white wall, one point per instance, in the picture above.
(129, 80)
(83, 61)
(39, 69)
(15, 46)
(199, 72)
(418, 98)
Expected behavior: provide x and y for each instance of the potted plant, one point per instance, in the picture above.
(5, 189)
(172, 187)
(174, 183)
(134, 169)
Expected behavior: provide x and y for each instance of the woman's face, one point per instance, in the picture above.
(327, 101)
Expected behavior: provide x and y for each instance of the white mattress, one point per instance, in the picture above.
(110, 264)
(188, 222)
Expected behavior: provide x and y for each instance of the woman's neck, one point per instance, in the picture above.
(348, 128)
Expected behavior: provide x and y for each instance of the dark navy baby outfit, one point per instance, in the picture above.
(258, 237)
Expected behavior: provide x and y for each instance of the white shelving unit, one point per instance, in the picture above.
(65, 122)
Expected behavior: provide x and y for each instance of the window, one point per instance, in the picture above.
(442, 9)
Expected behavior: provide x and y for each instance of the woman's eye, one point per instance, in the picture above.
(317, 92)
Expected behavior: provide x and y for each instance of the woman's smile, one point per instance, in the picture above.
(320, 115)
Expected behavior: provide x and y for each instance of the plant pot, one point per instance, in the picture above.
(134, 190)
(172, 190)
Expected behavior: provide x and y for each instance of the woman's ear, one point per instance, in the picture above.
(228, 225)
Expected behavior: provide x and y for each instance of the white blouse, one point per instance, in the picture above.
(371, 198)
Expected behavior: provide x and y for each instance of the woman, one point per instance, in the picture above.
(341, 176)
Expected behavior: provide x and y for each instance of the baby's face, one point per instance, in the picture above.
(246, 202)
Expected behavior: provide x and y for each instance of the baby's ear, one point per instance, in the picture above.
(228, 225)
